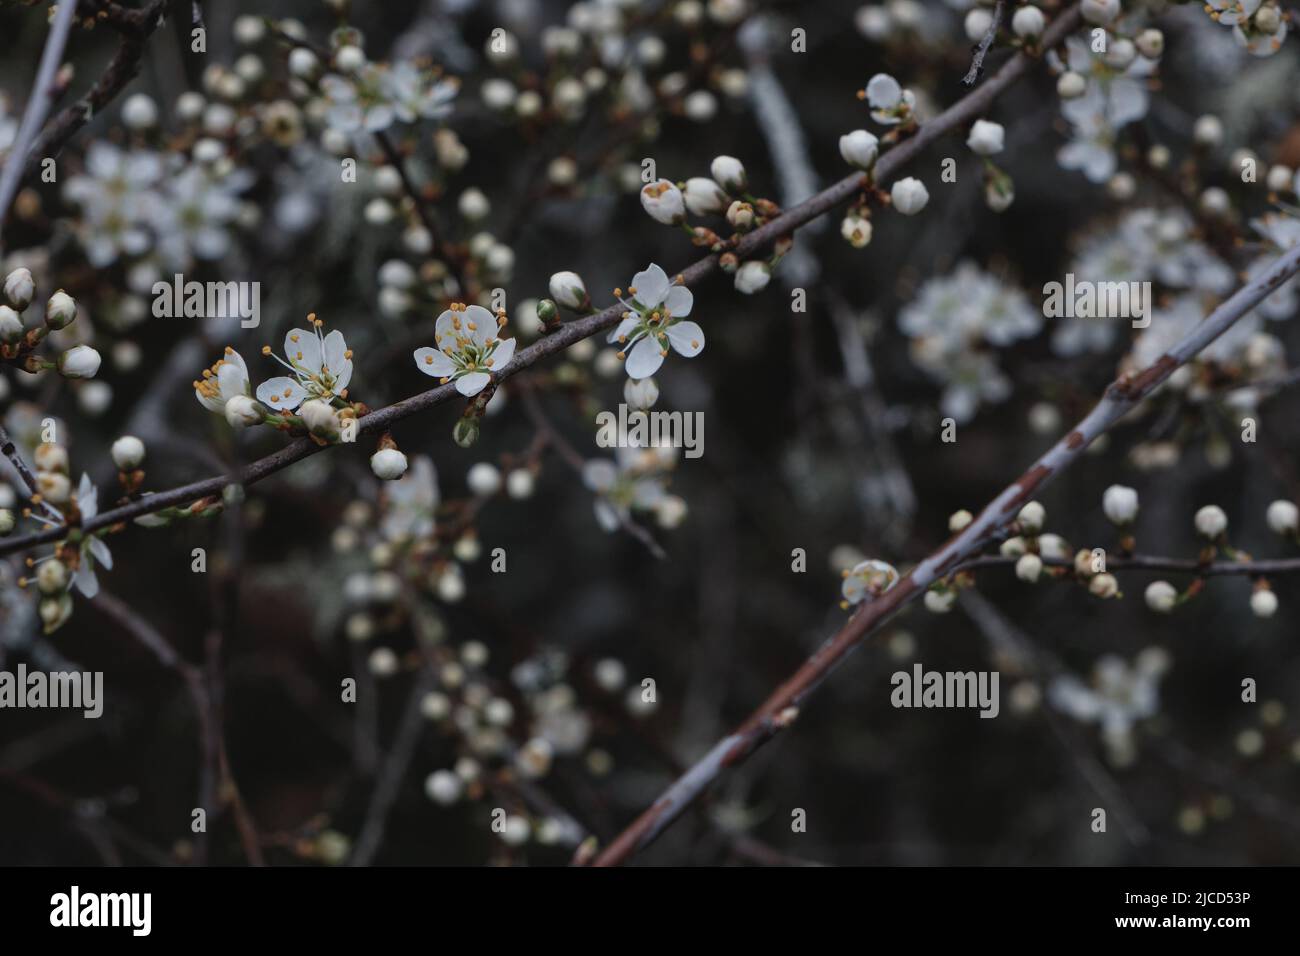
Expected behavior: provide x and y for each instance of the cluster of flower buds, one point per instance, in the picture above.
(19, 339)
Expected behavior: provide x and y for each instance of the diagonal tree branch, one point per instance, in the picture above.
(782, 707)
(963, 111)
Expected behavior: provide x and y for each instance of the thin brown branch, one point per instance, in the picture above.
(977, 62)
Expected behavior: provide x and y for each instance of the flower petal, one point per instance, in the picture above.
(645, 358)
(435, 363)
(281, 393)
(102, 555)
(505, 351)
(335, 355)
(599, 474)
(87, 498)
(302, 349)
(622, 330)
(472, 383)
(480, 324)
(85, 581)
(679, 301)
(651, 286)
(686, 338)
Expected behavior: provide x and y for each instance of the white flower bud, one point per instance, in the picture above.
(128, 452)
(1031, 517)
(704, 197)
(473, 205)
(484, 479)
(1071, 85)
(7, 521)
(443, 787)
(986, 138)
(139, 112)
(1263, 603)
(388, 464)
(977, 23)
(856, 230)
(383, 661)
(568, 290)
(1215, 202)
(1151, 43)
(1012, 547)
(1161, 596)
(958, 520)
(349, 59)
(1268, 19)
(51, 457)
(1100, 12)
(1120, 54)
(1207, 131)
(498, 94)
(753, 277)
(740, 215)
(54, 487)
(1120, 503)
(664, 202)
(242, 411)
(1028, 22)
(11, 326)
(321, 418)
(303, 63)
(20, 288)
(1053, 547)
(80, 361)
(1104, 585)
(1029, 567)
(909, 196)
(1211, 521)
(670, 512)
(520, 484)
(729, 173)
(1283, 517)
(60, 310)
(859, 148)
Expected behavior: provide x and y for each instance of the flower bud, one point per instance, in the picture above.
(1120, 504)
(729, 173)
(986, 139)
(909, 196)
(60, 310)
(50, 456)
(242, 411)
(1029, 567)
(704, 197)
(741, 215)
(752, 277)
(664, 202)
(128, 452)
(520, 483)
(484, 479)
(859, 148)
(1031, 517)
(1263, 603)
(7, 522)
(1100, 12)
(80, 361)
(1071, 85)
(321, 419)
(52, 577)
(640, 393)
(958, 520)
(1151, 43)
(1283, 517)
(1161, 596)
(568, 290)
(1028, 22)
(388, 464)
(940, 602)
(20, 288)
(1211, 521)
(465, 431)
(1104, 585)
(11, 326)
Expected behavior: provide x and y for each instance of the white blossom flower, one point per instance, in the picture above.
(856, 230)
(1263, 603)
(469, 348)
(940, 602)
(227, 378)
(1120, 696)
(664, 202)
(1232, 12)
(868, 579)
(890, 103)
(1120, 504)
(321, 367)
(92, 549)
(634, 480)
(1100, 12)
(653, 323)
(986, 138)
(909, 196)
(640, 394)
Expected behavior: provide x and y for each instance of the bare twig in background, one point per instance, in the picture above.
(977, 62)
(38, 103)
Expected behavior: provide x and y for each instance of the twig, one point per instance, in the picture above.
(1146, 562)
(970, 106)
(38, 103)
(10, 451)
(977, 62)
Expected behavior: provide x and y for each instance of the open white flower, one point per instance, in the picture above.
(93, 549)
(227, 378)
(410, 502)
(321, 366)
(653, 322)
(890, 103)
(468, 348)
(868, 579)
(635, 481)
